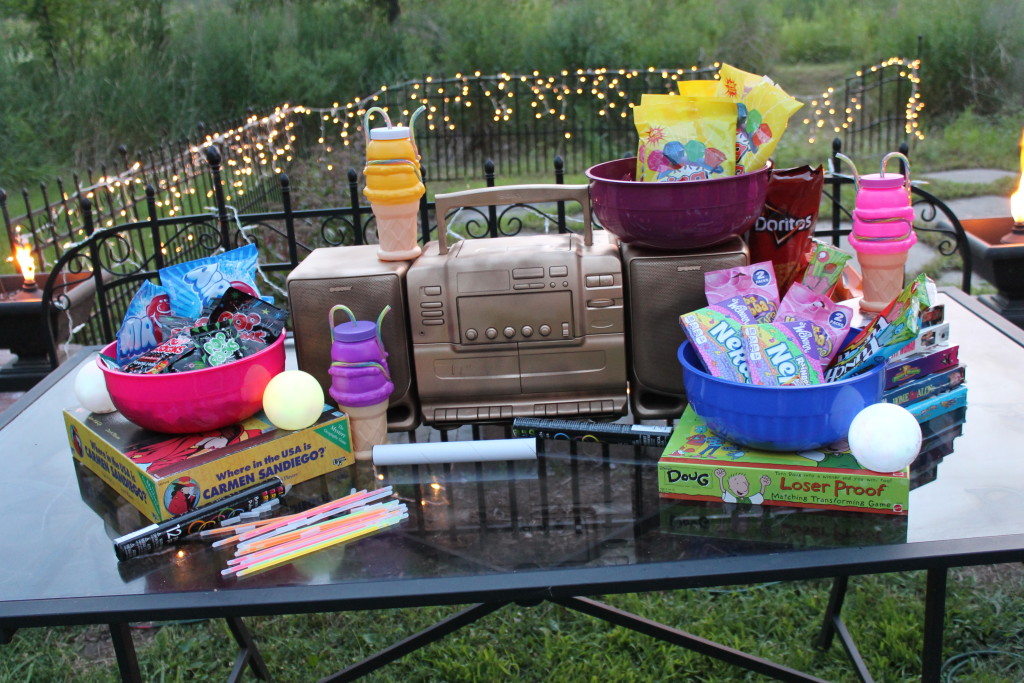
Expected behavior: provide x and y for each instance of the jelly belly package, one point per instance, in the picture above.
(166, 475)
(697, 464)
(684, 138)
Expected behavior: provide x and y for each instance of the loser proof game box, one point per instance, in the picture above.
(165, 475)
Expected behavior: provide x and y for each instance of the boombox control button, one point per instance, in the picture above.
(432, 314)
(432, 290)
(527, 273)
(491, 333)
(523, 285)
(431, 304)
(527, 331)
(509, 332)
(433, 321)
(558, 271)
(600, 303)
(544, 330)
(593, 281)
(565, 329)
(606, 280)
(472, 334)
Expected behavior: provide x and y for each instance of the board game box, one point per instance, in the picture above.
(697, 464)
(165, 475)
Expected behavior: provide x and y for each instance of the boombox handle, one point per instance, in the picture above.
(511, 194)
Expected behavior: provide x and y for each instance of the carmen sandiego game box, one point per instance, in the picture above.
(697, 464)
(165, 475)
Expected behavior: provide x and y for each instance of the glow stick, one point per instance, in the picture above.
(344, 538)
(355, 517)
(341, 504)
(303, 542)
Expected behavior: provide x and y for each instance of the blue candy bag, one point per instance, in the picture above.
(196, 284)
(141, 330)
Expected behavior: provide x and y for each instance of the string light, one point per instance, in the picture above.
(261, 146)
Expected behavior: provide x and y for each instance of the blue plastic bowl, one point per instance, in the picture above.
(778, 418)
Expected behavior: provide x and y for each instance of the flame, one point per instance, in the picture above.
(23, 255)
(1017, 198)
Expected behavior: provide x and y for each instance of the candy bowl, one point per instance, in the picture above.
(196, 400)
(778, 418)
(675, 215)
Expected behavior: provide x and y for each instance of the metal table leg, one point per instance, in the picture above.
(934, 623)
(124, 648)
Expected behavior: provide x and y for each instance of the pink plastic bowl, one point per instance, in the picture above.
(676, 215)
(198, 400)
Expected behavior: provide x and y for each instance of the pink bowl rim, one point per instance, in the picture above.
(636, 183)
(165, 376)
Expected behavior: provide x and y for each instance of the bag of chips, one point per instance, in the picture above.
(684, 138)
(782, 233)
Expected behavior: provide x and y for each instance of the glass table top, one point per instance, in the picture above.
(579, 505)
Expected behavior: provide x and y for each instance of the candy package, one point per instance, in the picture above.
(255, 319)
(684, 138)
(750, 292)
(194, 285)
(141, 330)
(782, 354)
(890, 331)
(717, 338)
(218, 343)
(829, 320)
(162, 357)
(762, 117)
(825, 265)
(782, 233)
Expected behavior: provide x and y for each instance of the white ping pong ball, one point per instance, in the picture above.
(91, 389)
(293, 400)
(885, 437)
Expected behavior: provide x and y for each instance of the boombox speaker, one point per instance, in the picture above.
(661, 286)
(355, 277)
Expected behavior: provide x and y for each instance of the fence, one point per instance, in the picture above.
(519, 122)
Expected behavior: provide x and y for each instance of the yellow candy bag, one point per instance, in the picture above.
(763, 114)
(684, 138)
(697, 88)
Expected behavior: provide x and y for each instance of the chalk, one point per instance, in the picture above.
(455, 451)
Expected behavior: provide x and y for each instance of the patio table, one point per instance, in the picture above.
(581, 521)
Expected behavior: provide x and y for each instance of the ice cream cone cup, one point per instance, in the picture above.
(882, 276)
(396, 230)
(368, 426)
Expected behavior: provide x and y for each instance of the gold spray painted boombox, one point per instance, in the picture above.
(523, 326)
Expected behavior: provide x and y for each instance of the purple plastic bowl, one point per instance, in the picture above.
(676, 215)
(778, 418)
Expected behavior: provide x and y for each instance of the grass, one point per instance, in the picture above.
(778, 621)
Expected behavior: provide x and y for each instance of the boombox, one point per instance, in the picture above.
(539, 325)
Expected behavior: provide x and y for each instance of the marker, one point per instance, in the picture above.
(173, 531)
(599, 432)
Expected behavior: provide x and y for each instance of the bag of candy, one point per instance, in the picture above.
(782, 354)
(830, 322)
(750, 293)
(825, 265)
(717, 337)
(684, 138)
(141, 330)
(254, 318)
(782, 233)
(195, 284)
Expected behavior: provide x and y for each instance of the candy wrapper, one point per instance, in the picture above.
(829, 320)
(763, 111)
(717, 338)
(218, 343)
(782, 233)
(194, 285)
(684, 138)
(782, 354)
(141, 330)
(890, 331)
(161, 358)
(824, 267)
(750, 292)
(255, 319)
